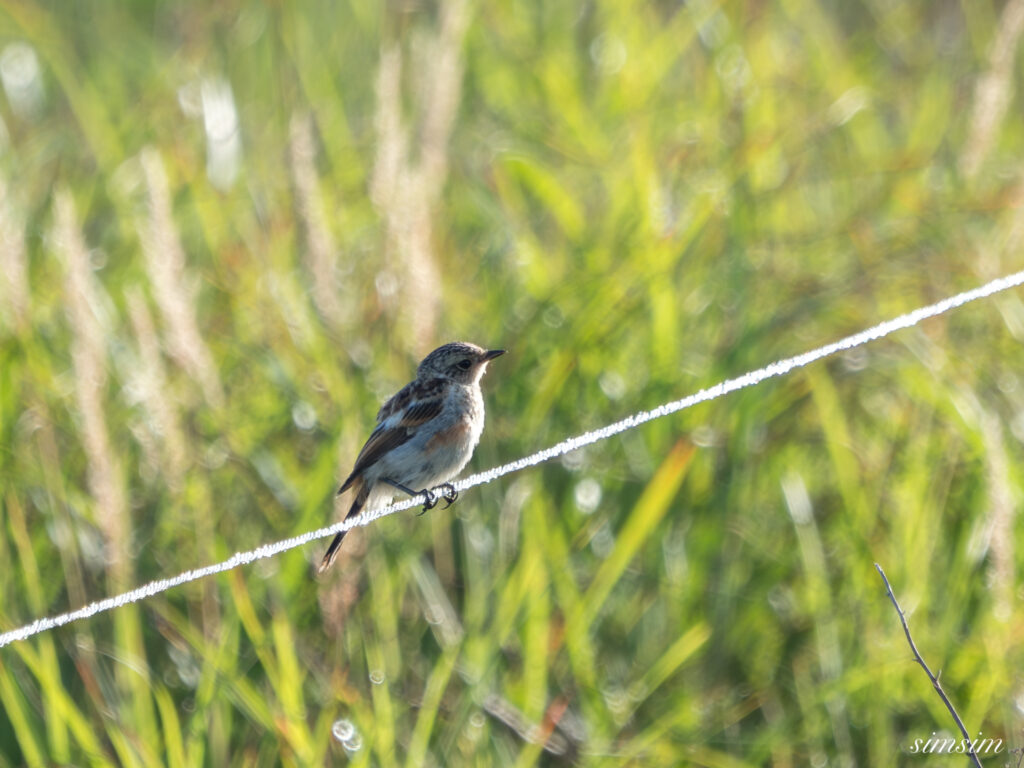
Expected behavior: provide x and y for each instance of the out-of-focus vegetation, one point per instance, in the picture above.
(229, 230)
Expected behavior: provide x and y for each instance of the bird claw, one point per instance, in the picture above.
(450, 494)
(430, 501)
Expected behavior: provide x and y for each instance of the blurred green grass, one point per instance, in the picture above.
(638, 200)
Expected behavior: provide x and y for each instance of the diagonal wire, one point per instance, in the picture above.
(778, 368)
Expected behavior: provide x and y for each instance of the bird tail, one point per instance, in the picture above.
(357, 505)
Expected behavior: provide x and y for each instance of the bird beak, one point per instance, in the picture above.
(490, 354)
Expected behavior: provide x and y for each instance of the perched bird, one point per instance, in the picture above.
(425, 434)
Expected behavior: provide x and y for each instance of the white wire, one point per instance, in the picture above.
(777, 368)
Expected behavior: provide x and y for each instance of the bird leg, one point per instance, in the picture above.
(450, 494)
(430, 498)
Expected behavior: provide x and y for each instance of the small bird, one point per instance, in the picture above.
(425, 434)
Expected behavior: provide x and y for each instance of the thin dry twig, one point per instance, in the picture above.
(933, 678)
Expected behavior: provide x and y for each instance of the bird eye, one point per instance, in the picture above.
(464, 364)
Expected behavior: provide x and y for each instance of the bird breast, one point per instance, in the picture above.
(442, 447)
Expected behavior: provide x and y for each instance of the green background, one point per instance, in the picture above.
(242, 224)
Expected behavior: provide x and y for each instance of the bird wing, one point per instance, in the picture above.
(399, 418)
(414, 391)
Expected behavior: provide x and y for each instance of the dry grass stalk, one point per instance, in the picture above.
(406, 190)
(1000, 514)
(993, 91)
(14, 288)
(165, 261)
(88, 354)
(391, 135)
(152, 384)
(441, 101)
(153, 387)
(321, 249)
(341, 595)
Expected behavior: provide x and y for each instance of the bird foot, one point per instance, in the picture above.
(450, 494)
(431, 496)
(430, 501)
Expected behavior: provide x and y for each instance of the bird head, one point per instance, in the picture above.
(459, 361)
